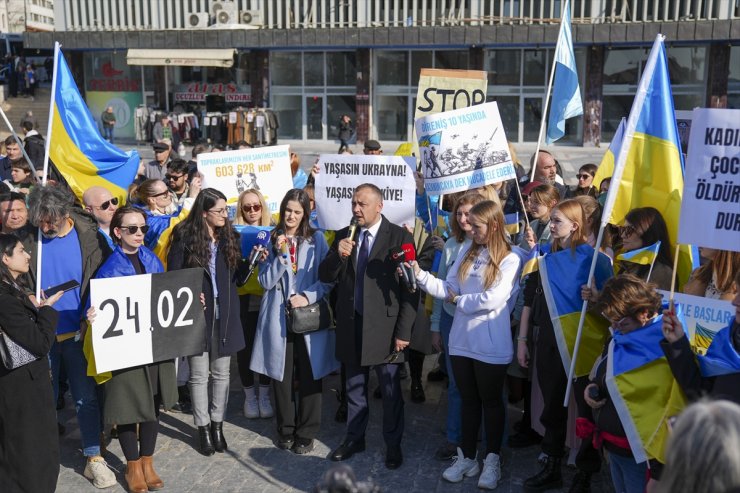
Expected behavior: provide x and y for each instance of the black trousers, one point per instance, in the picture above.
(301, 415)
(358, 413)
(134, 447)
(552, 380)
(481, 387)
(244, 356)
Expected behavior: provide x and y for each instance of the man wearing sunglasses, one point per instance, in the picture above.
(99, 202)
(177, 181)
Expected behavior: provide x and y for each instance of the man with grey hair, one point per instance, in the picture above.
(72, 250)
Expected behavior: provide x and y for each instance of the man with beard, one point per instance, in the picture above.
(72, 250)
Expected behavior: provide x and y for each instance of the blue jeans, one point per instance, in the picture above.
(627, 475)
(108, 133)
(83, 392)
(454, 401)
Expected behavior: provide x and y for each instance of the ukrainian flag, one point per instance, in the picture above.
(649, 167)
(643, 389)
(563, 273)
(77, 149)
(721, 358)
(511, 222)
(432, 139)
(606, 167)
(531, 263)
(642, 256)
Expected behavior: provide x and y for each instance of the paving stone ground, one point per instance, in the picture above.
(254, 464)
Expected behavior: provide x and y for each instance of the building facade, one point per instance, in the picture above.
(312, 61)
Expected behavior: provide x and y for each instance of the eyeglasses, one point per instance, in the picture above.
(105, 205)
(160, 194)
(584, 176)
(173, 177)
(132, 230)
(252, 208)
(627, 230)
(219, 212)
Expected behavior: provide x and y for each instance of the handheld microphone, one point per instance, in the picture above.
(263, 239)
(352, 229)
(284, 248)
(398, 255)
(410, 255)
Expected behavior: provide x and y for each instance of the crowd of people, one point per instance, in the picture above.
(491, 324)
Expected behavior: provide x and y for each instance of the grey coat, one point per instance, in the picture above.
(268, 355)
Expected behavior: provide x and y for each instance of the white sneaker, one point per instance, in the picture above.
(251, 407)
(264, 402)
(491, 474)
(98, 471)
(461, 467)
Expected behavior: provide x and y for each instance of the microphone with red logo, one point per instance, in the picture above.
(405, 253)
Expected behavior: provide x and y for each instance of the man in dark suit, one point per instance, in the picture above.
(375, 314)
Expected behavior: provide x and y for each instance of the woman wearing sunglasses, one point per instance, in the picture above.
(290, 275)
(644, 227)
(585, 185)
(252, 210)
(133, 395)
(159, 205)
(207, 240)
(482, 284)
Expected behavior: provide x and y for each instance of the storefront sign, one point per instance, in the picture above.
(124, 107)
(196, 92)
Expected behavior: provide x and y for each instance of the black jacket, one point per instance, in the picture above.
(230, 333)
(35, 147)
(390, 309)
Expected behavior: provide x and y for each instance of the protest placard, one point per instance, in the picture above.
(266, 169)
(704, 317)
(463, 149)
(710, 209)
(341, 174)
(445, 90)
(147, 318)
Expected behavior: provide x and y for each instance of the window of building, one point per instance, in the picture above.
(396, 84)
(733, 83)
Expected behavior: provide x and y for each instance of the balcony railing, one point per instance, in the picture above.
(105, 15)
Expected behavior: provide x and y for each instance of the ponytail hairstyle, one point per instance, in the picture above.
(490, 213)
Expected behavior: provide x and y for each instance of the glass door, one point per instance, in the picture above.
(315, 119)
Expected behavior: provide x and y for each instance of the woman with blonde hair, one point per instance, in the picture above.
(482, 284)
(714, 279)
(252, 210)
(568, 232)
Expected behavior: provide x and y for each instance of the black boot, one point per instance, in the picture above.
(581, 483)
(548, 478)
(206, 445)
(217, 433)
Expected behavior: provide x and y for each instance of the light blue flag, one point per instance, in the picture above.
(566, 94)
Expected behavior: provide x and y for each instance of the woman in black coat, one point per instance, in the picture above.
(29, 444)
(206, 239)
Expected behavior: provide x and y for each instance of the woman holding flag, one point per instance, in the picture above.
(646, 249)
(562, 271)
(133, 395)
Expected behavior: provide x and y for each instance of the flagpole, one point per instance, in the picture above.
(45, 177)
(18, 141)
(547, 99)
(652, 263)
(611, 196)
(521, 200)
(673, 274)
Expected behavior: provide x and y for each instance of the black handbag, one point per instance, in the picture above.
(310, 318)
(12, 354)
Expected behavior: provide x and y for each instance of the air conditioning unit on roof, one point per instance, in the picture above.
(199, 20)
(251, 17)
(225, 12)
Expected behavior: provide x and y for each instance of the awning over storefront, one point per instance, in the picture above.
(183, 58)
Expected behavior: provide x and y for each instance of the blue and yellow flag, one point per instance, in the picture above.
(531, 262)
(643, 389)
(642, 256)
(563, 273)
(649, 168)
(431, 139)
(606, 167)
(79, 152)
(511, 222)
(721, 358)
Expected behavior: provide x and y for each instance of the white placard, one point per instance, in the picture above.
(710, 208)
(341, 174)
(147, 318)
(266, 169)
(121, 331)
(703, 316)
(463, 149)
